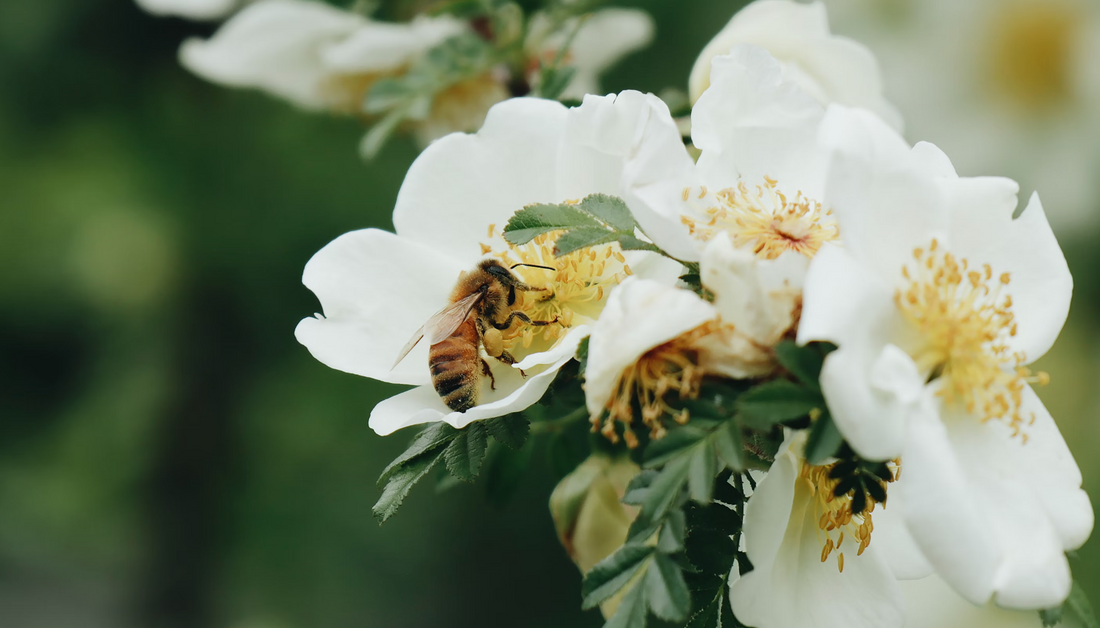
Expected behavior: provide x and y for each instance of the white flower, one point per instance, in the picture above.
(930, 603)
(377, 288)
(831, 68)
(815, 561)
(191, 9)
(653, 339)
(938, 299)
(1007, 86)
(312, 54)
(604, 38)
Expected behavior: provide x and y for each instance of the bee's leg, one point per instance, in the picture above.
(509, 359)
(525, 318)
(488, 371)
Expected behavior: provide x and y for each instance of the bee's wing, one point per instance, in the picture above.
(442, 324)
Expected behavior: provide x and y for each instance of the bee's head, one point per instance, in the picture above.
(503, 273)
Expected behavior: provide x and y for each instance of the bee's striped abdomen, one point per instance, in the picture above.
(456, 367)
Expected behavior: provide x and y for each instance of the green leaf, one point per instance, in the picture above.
(399, 484)
(824, 440)
(582, 238)
(612, 210)
(1077, 606)
(674, 443)
(668, 594)
(612, 573)
(638, 488)
(466, 452)
(770, 403)
(555, 80)
(802, 362)
(504, 471)
(582, 356)
(728, 446)
(701, 471)
(534, 220)
(631, 612)
(432, 437)
(661, 494)
(511, 429)
(671, 537)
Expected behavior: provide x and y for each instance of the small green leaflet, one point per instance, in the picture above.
(397, 488)
(466, 452)
(612, 573)
(824, 440)
(1076, 606)
(596, 219)
(764, 406)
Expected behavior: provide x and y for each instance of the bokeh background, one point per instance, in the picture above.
(169, 455)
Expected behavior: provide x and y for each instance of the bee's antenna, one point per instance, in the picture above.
(534, 266)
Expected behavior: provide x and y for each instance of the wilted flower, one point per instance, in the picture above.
(830, 68)
(938, 301)
(376, 287)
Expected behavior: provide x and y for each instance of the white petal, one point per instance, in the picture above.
(752, 123)
(423, 405)
(461, 184)
(894, 543)
(381, 46)
(869, 407)
(276, 46)
(376, 289)
(983, 232)
(639, 130)
(885, 199)
(639, 316)
(605, 37)
(771, 503)
(1027, 490)
(831, 68)
(191, 9)
(930, 603)
(942, 515)
(758, 297)
(566, 347)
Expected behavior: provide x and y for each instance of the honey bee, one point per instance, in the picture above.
(480, 309)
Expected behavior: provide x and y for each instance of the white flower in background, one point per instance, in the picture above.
(830, 68)
(654, 339)
(312, 54)
(938, 299)
(602, 40)
(816, 560)
(1006, 86)
(377, 288)
(191, 9)
(930, 603)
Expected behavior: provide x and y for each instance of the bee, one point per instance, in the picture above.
(480, 309)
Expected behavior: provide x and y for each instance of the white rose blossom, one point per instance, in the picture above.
(815, 561)
(931, 603)
(830, 68)
(309, 53)
(938, 299)
(654, 339)
(376, 288)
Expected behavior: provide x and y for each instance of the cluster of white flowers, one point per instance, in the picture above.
(799, 213)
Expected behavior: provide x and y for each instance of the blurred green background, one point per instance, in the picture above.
(169, 455)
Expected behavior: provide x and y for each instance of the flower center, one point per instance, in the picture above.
(670, 367)
(1030, 47)
(574, 292)
(965, 323)
(843, 516)
(765, 219)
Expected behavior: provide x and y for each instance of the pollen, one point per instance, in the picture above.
(763, 218)
(836, 521)
(670, 368)
(965, 319)
(573, 292)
